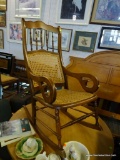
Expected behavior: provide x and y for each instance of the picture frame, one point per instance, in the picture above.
(28, 8)
(106, 12)
(84, 41)
(1, 39)
(3, 5)
(76, 13)
(37, 32)
(2, 19)
(109, 38)
(15, 32)
(66, 39)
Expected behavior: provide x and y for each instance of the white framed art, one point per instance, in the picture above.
(66, 39)
(74, 12)
(28, 8)
(36, 37)
(15, 32)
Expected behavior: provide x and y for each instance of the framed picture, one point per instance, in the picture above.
(106, 12)
(15, 32)
(3, 5)
(1, 39)
(28, 8)
(66, 39)
(36, 34)
(109, 38)
(84, 41)
(2, 19)
(74, 12)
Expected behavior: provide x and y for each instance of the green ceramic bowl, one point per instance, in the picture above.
(18, 149)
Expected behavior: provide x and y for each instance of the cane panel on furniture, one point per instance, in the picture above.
(45, 67)
(105, 65)
(6, 81)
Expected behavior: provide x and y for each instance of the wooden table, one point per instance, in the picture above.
(99, 143)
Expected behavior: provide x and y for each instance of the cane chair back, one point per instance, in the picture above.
(45, 69)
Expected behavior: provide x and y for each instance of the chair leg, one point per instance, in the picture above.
(96, 113)
(58, 127)
(57, 147)
(34, 111)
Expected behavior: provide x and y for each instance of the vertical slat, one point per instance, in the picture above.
(36, 39)
(47, 39)
(52, 42)
(41, 38)
(31, 40)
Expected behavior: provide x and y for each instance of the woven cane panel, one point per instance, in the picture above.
(46, 64)
(67, 97)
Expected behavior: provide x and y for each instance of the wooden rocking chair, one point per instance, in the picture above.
(46, 72)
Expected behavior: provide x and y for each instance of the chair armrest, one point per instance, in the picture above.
(88, 82)
(46, 87)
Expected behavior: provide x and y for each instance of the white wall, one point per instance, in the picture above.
(49, 13)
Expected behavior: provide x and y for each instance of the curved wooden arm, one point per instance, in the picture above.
(47, 87)
(84, 78)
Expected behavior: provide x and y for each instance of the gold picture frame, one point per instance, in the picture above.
(106, 12)
(2, 19)
(3, 5)
(1, 39)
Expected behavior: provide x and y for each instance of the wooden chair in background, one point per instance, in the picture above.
(46, 70)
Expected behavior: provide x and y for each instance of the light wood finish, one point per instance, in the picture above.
(45, 67)
(105, 65)
(97, 142)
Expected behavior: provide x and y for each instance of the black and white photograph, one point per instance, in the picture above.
(72, 8)
(74, 11)
(28, 8)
